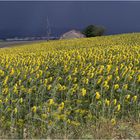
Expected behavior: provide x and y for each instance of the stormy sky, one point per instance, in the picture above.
(28, 18)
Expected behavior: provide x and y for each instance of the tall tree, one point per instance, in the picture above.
(93, 30)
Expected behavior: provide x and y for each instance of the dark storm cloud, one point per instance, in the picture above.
(29, 18)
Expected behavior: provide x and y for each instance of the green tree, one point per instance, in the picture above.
(93, 30)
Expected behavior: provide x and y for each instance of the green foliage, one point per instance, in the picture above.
(93, 30)
(69, 88)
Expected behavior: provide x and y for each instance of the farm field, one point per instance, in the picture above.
(80, 88)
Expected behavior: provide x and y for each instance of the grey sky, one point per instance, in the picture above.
(29, 18)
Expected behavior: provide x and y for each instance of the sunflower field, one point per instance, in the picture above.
(57, 85)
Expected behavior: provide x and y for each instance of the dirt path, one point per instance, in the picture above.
(15, 43)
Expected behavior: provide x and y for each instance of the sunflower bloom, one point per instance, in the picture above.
(98, 95)
(118, 107)
(84, 92)
(34, 108)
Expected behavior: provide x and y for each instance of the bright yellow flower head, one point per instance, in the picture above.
(0, 101)
(128, 96)
(12, 71)
(5, 90)
(21, 100)
(45, 81)
(116, 86)
(107, 102)
(61, 106)
(6, 100)
(105, 83)
(68, 121)
(83, 72)
(118, 107)
(113, 121)
(44, 116)
(109, 68)
(50, 79)
(51, 102)
(75, 123)
(115, 101)
(75, 79)
(84, 92)
(98, 95)
(125, 87)
(135, 98)
(109, 77)
(15, 110)
(138, 78)
(117, 78)
(69, 77)
(86, 81)
(1, 73)
(129, 77)
(5, 80)
(37, 75)
(34, 108)
(49, 87)
(99, 80)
